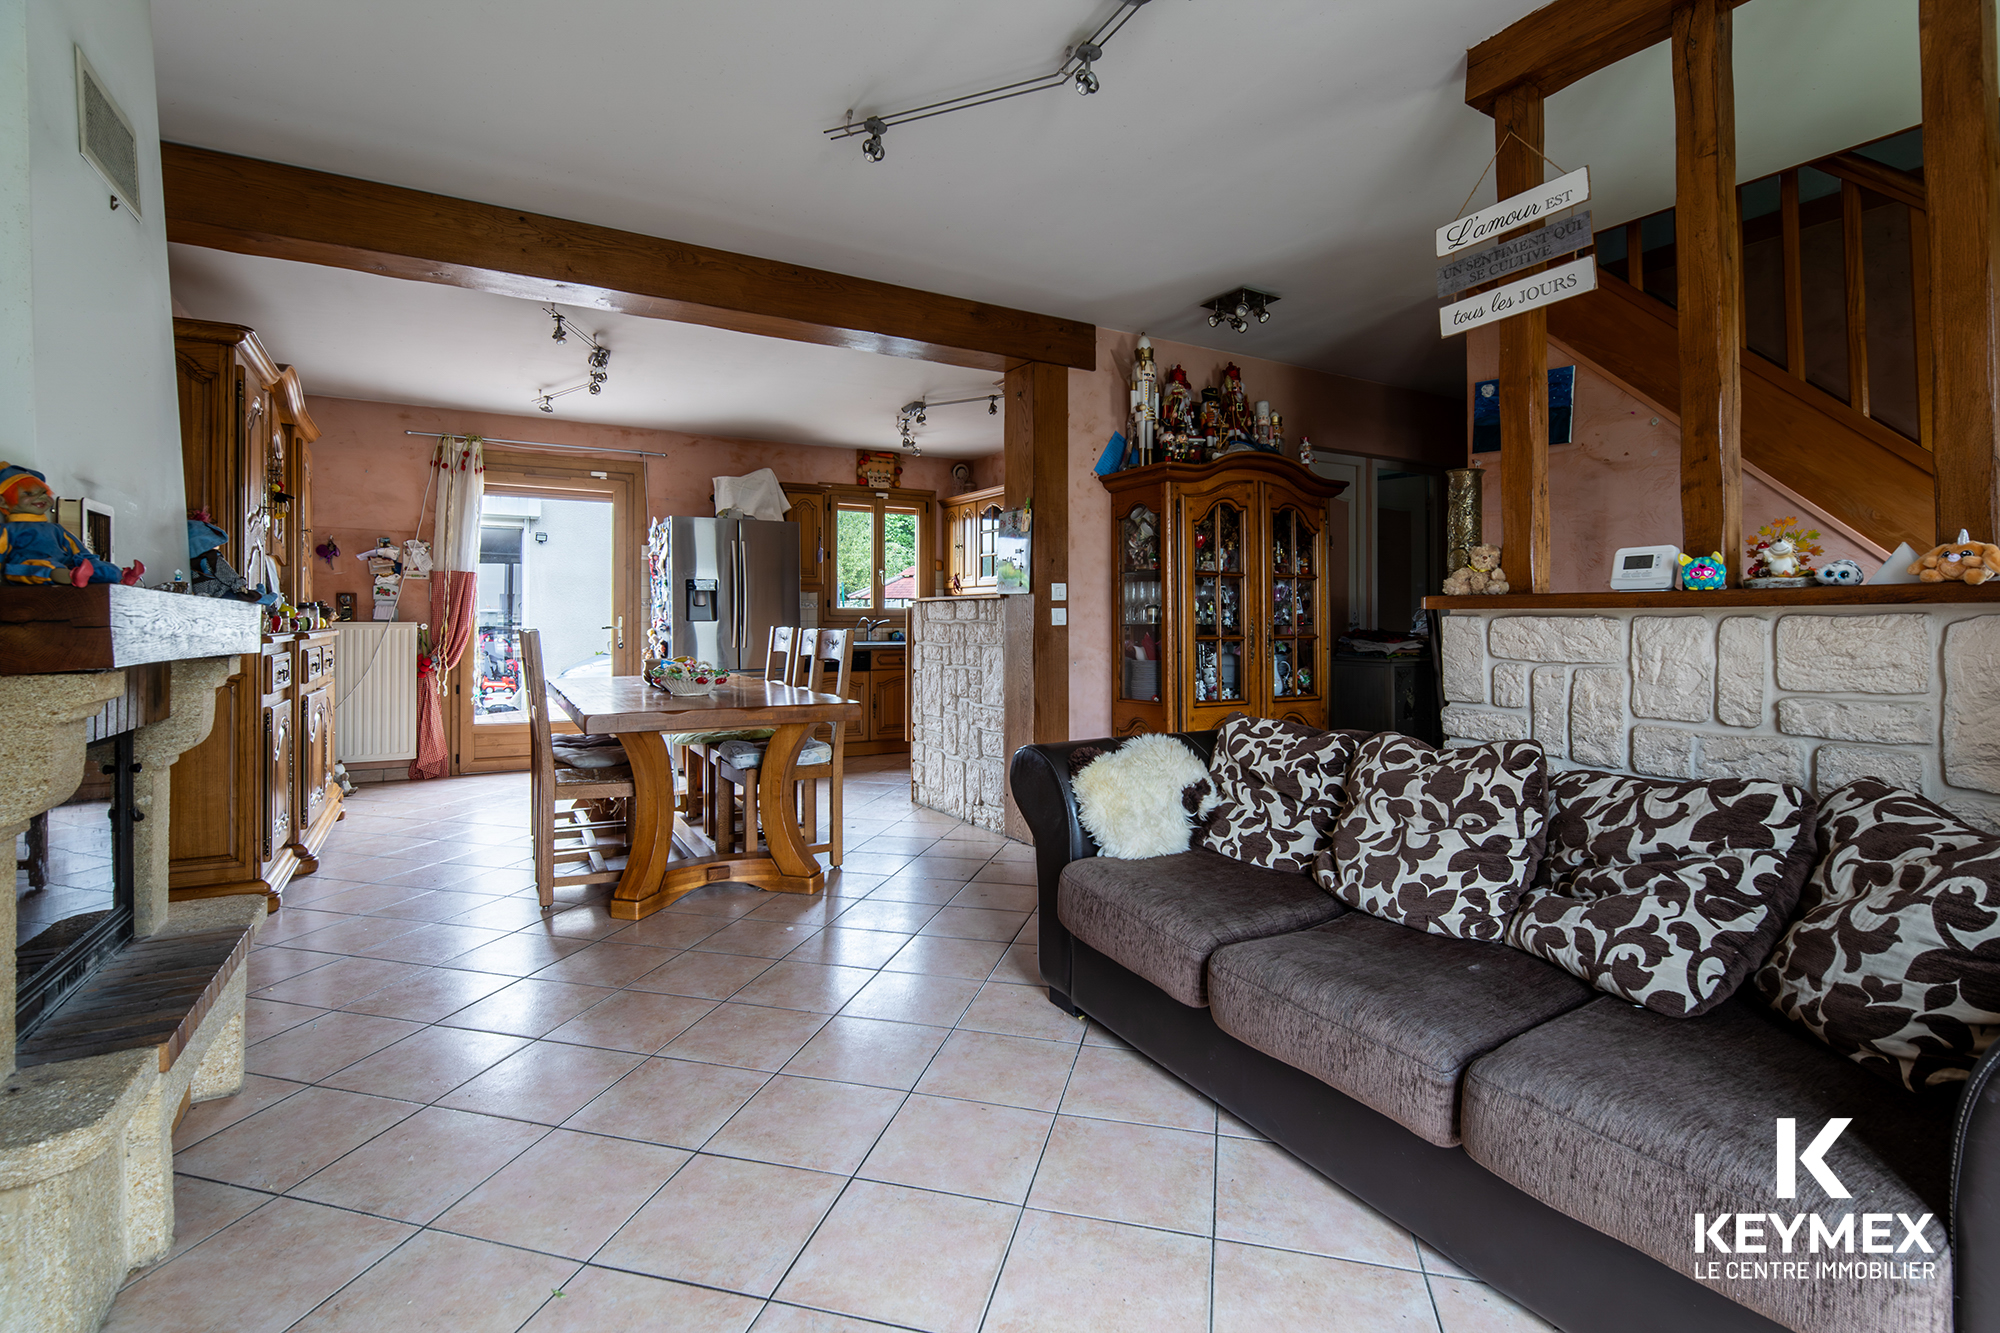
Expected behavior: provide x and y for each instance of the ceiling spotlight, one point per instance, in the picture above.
(1086, 78)
(561, 334)
(544, 403)
(1239, 307)
(871, 147)
(993, 406)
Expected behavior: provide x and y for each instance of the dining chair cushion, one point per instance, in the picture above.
(591, 752)
(680, 738)
(749, 754)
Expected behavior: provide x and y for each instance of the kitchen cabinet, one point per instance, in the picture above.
(809, 512)
(1217, 589)
(972, 524)
(881, 687)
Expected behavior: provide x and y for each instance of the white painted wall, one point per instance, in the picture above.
(87, 389)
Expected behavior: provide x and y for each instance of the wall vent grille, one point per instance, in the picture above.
(106, 137)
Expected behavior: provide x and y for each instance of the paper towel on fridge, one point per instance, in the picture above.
(758, 495)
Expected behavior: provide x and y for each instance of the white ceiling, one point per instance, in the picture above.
(361, 335)
(1305, 147)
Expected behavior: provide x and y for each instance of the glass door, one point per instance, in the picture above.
(1296, 610)
(1139, 602)
(1219, 624)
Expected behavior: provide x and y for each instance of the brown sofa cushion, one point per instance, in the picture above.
(1389, 1015)
(1895, 963)
(1632, 1123)
(1667, 894)
(1163, 917)
(1278, 788)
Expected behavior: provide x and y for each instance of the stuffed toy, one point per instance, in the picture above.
(34, 548)
(1966, 560)
(1481, 573)
(1841, 573)
(1704, 574)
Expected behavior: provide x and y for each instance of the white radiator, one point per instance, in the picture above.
(375, 692)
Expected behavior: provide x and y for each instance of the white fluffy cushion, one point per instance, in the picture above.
(1131, 802)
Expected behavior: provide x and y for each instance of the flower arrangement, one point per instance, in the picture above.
(1783, 550)
(684, 675)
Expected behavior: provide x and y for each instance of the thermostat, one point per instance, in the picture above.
(1645, 568)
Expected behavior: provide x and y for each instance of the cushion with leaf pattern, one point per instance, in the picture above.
(1444, 841)
(1895, 960)
(1277, 789)
(1667, 894)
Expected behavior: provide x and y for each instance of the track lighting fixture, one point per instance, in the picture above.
(1078, 68)
(1239, 307)
(916, 413)
(599, 361)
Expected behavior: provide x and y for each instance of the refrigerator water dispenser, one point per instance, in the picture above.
(701, 599)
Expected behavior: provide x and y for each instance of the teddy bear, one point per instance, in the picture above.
(1481, 573)
(1966, 560)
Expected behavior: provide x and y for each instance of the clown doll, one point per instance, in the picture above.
(34, 548)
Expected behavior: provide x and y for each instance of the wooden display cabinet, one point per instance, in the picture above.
(971, 526)
(1217, 585)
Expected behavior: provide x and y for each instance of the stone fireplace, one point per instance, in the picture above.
(91, 1091)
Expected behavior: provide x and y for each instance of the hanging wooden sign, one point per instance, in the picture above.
(1537, 247)
(1534, 292)
(1515, 212)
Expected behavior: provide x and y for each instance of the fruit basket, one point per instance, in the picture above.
(684, 675)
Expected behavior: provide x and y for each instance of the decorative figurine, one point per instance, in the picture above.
(328, 550)
(1840, 573)
(1705, 574)
(1481, 573)
(1781, 555)
(1145, 400)
(1177, 405)
(213, 576)
(1965, 560)
(34, 548)
(1305, 451)
(1237, 422)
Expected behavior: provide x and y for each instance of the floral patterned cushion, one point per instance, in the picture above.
(1278, 788)
(1445, 841)
(1667, 894)
(1895, 962)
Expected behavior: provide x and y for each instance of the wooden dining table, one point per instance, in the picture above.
(642, 717)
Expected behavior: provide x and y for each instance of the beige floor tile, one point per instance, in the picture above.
(352, 934)
(1076, 1273)
(746, 1035)
(1021, 1011)
(633, 1021)
(936, 1143)
(1021, 966)
(218, 1284)
(283, 1144)
(1229, 1125)
(850, 948)
(703, 976)
(546, 1082)
(939, 956)
(869, 1050)
(909, 997)
(946, 867)
(424, 1067)
(758, 939)
(904, 1256)
(364, 897)
(874, 863)
(1011, 1071)
(727, 901)
(607, 963)
(725, 1223)
(519, 954)
(566, 1195)
(808, 1123)
(267, 1018)
(669, 1101)
(438, 1283)
(996, 889)
(1010, 871)
(915, 889)
(340, 981)
(501, 913)
(1437, 1265)
(1128, 1173)
(780, 1318)
(429, 996)
(1258, 1290)
(975, 923)
(1265, 1196)
(312, 1050)
(435, 943)
(415, 1170)
(204, 1207)
(1109, 1084)
(529, 1007)
(669, 930)
(878, 913)
(793, 908)
(813, 987)
(206, 1118)
(599, 1300)
(1096, 1034)
(444, 905)
(1474, 1307)
(287, 926)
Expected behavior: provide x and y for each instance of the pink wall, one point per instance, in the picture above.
(369, 477)
(1618, 482)
(1339, 414)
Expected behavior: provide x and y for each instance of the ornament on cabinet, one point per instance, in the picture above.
(34, 548)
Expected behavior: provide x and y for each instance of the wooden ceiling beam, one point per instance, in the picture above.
(248, 206)
(1562, 42)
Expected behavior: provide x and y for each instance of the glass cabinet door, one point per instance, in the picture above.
(1139, 612)
(1296, 609)
(1219, 609)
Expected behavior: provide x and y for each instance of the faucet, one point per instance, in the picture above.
(868, 627)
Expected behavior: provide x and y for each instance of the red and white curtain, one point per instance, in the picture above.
(459, 473)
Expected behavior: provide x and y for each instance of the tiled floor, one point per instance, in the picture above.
(749, 1110)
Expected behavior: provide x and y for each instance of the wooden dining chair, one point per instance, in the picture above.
(739, 763)
(579, 792)
(709, 796)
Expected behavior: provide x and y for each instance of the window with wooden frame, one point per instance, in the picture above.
(881, 553)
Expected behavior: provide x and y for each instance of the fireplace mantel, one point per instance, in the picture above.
(107, 626)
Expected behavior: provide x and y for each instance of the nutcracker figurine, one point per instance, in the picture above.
(1145, 399)
(1237, 423)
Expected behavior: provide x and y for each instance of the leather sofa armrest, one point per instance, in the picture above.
(1975, 1197)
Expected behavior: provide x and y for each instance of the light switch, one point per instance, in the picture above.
(1059, 592)
(1058, 615)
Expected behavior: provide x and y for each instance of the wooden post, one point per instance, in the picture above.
(1709, 242)
(1036, 462)
(1524, 367)
(1962, 181)
(1856, 281)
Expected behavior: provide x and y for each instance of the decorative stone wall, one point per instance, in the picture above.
(1816, 696)
(958, 722)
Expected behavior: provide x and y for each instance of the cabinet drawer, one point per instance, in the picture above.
(277, 671)
(309, 665)
(890, 659)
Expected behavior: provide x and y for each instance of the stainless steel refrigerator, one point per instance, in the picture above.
(729, 580)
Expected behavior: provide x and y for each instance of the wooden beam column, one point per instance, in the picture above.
(1524, 367)
(1037, 467)
(1709, 242)
(1962, 180)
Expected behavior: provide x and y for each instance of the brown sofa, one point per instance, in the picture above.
(1555, 1141)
